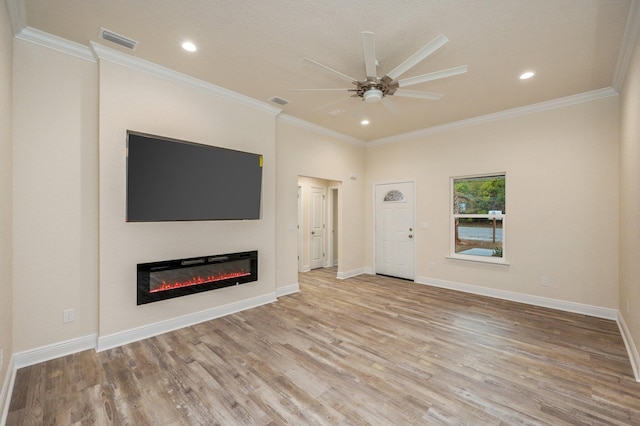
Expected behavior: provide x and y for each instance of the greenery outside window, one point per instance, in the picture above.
(478, 218)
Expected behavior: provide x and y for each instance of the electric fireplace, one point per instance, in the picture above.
(179, 277)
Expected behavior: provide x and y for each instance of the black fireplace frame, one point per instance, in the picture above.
(144, 295)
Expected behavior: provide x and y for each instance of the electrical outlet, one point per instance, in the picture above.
(68, 315)
(544, 281)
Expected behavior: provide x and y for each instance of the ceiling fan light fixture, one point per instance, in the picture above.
(372, 96)
(373, 89)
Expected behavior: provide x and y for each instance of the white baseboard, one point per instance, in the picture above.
(7, 391)
(144, 332)
(352, 273)
(56, 350)
(632, 349)
(290, 289)
(35, 356)
(562, 305)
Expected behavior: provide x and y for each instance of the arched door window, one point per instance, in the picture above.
(394, 195)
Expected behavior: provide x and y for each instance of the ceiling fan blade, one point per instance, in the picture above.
(420, 55)
(369, 51)
(321, 90)
(390, 105)
(331, 104)
(338, 73)
(417, 94)
(433, 76)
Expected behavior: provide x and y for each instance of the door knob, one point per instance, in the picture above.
(410, 235)
(313, 232)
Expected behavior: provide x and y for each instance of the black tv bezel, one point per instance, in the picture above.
(201, 145)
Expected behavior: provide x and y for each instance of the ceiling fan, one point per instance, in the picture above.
(374, 89)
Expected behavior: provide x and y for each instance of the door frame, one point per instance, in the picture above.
(300, 231)
(303, 216)
(331, 207)
(415, 234)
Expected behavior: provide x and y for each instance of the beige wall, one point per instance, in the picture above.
(55, 196)
(304, 152)
(562, 200)
(134, 100)
(562, 196)
(6, 61)
(630, 199)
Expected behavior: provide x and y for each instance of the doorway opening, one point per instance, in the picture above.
(318, 223)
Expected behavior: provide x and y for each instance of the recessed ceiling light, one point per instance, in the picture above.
(189, 46)
(364, 122)
(527, 75)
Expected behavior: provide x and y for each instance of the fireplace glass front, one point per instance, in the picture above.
(179, 277)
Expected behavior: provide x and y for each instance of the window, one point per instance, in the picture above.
(394, 195)
(478, 218)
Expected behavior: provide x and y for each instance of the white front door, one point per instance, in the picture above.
(394, 230)
(317, 227)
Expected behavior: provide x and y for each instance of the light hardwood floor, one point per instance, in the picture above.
(367, 350)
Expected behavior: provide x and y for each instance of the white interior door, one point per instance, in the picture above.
(395, 229)
(317, 227)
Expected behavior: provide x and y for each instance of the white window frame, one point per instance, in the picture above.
(452, 238)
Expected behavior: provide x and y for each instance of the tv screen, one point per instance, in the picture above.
(172, 180)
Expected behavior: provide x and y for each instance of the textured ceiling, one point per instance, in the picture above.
(256, 48)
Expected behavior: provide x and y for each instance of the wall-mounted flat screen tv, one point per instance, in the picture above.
(173, 180)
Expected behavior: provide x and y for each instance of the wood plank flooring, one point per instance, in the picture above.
(367, 350)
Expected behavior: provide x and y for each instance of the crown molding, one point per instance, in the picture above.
(60, 44)
(97, 51)
(286, 118)
(510, 113)
(107, 54)
(629, 40)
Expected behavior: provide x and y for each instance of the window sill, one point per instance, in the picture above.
(479, 259)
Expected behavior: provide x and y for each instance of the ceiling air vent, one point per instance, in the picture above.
(279, 101)
(118, 39)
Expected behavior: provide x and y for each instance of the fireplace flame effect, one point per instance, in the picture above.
(199, 280)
